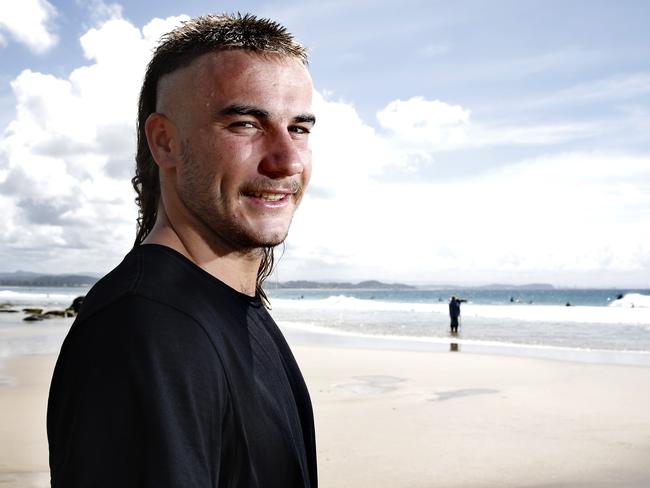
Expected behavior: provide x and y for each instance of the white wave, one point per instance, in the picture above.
(343, 302)
(562, 314)
(19, 297)
(638, 315)
(632, 300)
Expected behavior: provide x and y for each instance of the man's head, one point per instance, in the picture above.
(223, 120)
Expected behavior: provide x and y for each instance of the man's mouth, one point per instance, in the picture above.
(268, 196)
(272, 194)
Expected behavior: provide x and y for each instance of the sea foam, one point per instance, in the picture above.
(613, 314)
(632, 300)
(40, 299)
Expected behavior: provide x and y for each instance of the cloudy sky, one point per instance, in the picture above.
(457, 142)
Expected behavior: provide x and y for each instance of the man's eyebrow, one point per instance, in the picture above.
(305, 119)
(238, 109)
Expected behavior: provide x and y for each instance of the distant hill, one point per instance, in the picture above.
(494, 286)
(19, 274)
(532, 286)
(26, 278)
(327, 285)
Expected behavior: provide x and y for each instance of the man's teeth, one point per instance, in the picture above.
(272, 197)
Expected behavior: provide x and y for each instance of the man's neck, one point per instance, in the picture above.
(237, 270)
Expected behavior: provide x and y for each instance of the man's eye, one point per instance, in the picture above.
(299, 129)
(243, 124)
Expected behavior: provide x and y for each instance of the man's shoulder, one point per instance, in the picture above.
(110, 288)
(131, 321)
(149, 272)
(152, 289)
(134, 295)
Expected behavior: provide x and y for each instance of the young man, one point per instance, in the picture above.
(174, 374)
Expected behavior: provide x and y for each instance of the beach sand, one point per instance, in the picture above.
(24, 386)
(417, 419)
(421, 419)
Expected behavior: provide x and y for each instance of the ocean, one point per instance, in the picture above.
(610, 325)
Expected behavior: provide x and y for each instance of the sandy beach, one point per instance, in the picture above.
(421, 419)
(409, 419)
(24, 385)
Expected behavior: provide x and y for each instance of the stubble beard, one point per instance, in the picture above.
(210, 210)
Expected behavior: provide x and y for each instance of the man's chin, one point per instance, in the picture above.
(271, 239)
(271, 235)
(249, 237)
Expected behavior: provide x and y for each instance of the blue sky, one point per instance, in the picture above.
(464, 142)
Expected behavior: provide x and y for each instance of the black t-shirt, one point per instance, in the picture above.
(170, 378)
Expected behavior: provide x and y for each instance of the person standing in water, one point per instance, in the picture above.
(454, 313)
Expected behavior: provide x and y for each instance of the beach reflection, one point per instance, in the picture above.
(454, 347)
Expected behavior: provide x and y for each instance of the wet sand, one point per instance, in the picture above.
(420, 419)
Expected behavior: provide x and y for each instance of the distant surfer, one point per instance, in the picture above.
(454, 313)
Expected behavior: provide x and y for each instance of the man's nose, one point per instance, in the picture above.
(283, 156)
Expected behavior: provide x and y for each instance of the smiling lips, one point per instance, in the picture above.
(272, 194)
(268, 196)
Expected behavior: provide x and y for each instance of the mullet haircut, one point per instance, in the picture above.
(176, 50)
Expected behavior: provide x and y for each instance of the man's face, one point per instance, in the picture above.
(244, 159)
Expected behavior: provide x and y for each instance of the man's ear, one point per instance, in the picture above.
(162, 137)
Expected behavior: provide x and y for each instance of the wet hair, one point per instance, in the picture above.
(176, 50)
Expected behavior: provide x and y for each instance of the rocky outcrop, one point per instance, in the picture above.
(6, 308)
(37, 314)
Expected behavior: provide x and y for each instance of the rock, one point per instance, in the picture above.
(33, 318)
(36, 314)
(33, 311)
(76, 304)
(54, 313)
(6, 308)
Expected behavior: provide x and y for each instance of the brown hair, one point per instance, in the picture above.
(178, 49)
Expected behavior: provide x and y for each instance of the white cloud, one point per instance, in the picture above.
(67, 204)
(29, 22)
(569, 213)
(417, 119)
(66, 158)
(420, 127)
(572, 213)
(100, 12)
(368, 153)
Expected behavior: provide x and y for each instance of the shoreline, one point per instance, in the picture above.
(18, 339)
(322, 337)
